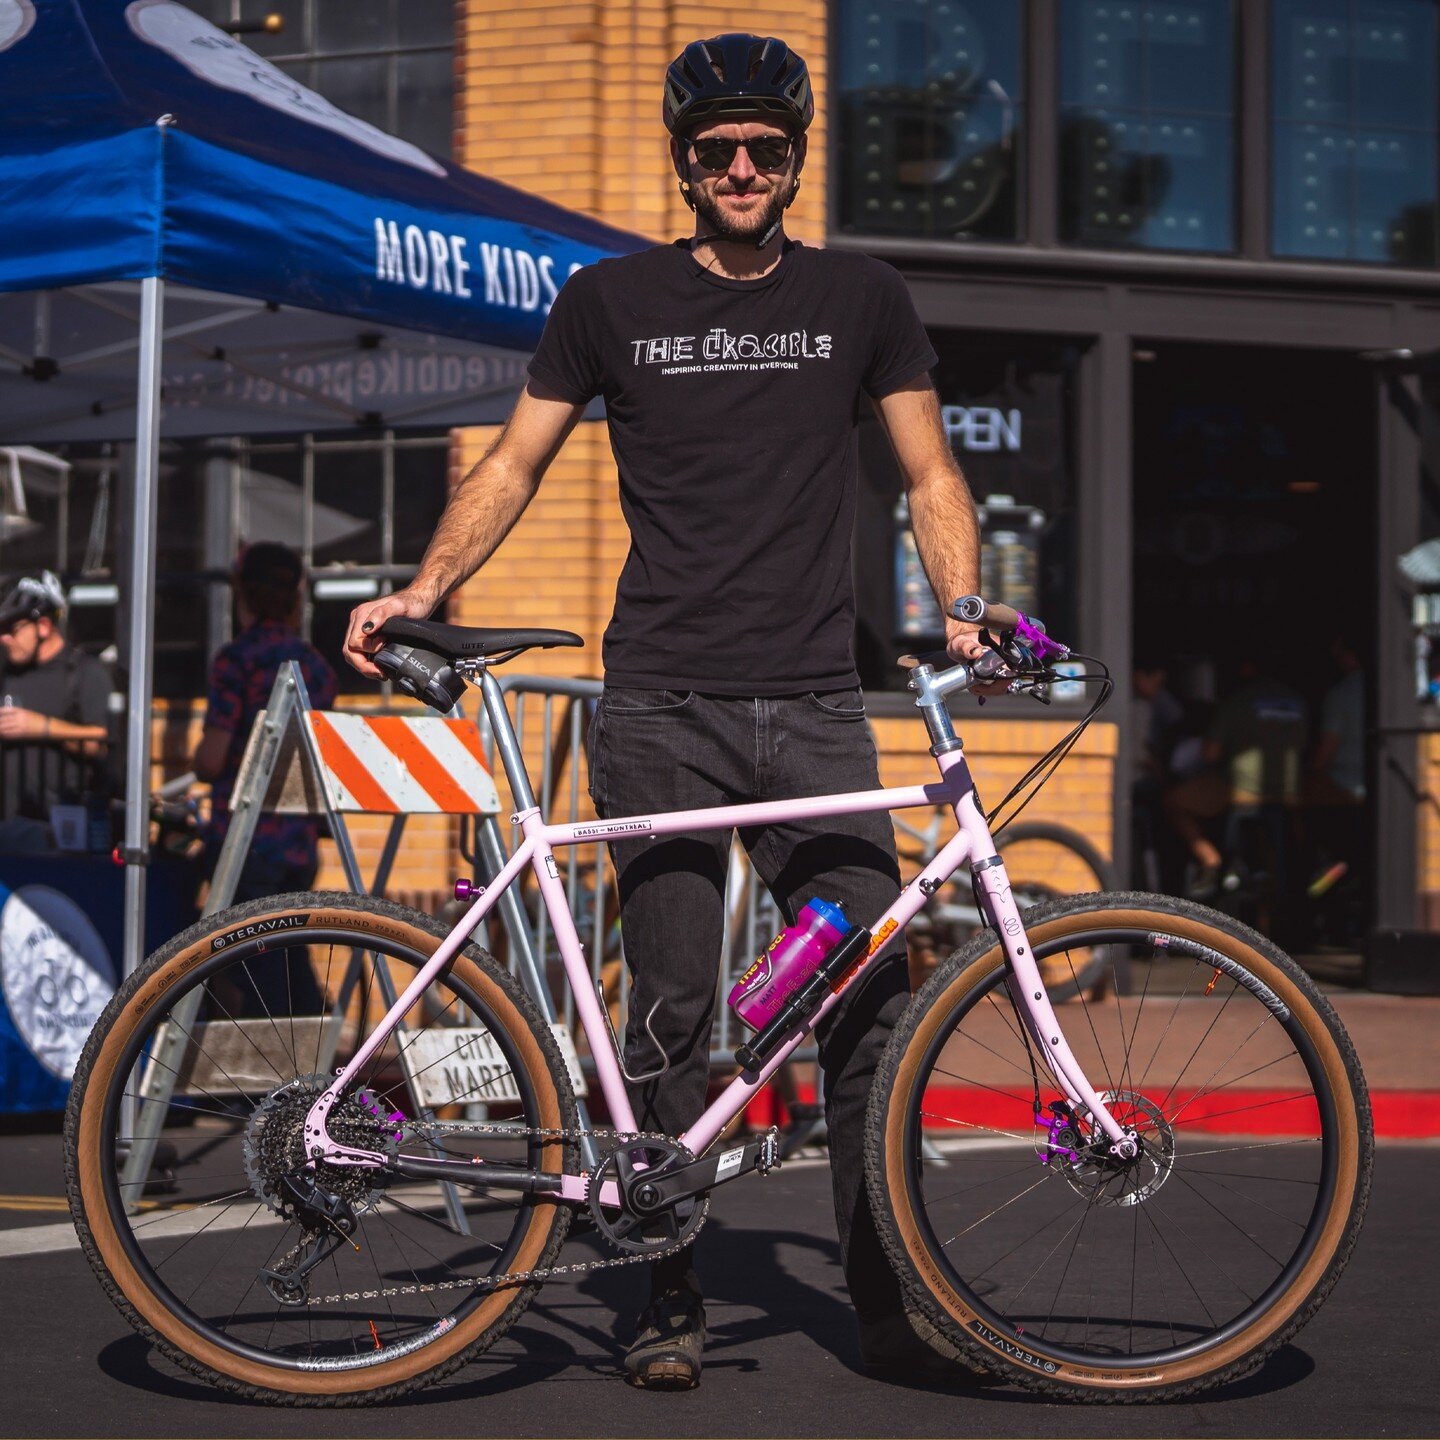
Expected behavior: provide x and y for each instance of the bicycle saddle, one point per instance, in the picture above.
(470, 642)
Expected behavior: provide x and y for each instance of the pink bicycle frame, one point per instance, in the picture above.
(972, 842)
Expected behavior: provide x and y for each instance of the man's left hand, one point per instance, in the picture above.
(18, 724)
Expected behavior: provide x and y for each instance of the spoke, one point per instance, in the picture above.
(190, 1209)
(1160, 1043)
(1090, 1021)
(223, 1255)
(1199, 1249)
(981, 1085)
(971, 1125)
(1216, 1089)
(1230, 1220)
(1241, 1195)
(1262, 1145)
(1184, 1273)
(990, 1049)
(1261, 1105)
(1202, 1088)
(1199, 1044)
(993, 1213)
(1028, 1167)
(1070, 1258)
(244, 1035)
(1127, 1042)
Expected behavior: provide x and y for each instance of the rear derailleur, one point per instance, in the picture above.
(327, 1221)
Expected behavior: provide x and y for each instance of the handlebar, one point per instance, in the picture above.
(975, 611)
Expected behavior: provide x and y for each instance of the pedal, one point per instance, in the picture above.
(768, 1156)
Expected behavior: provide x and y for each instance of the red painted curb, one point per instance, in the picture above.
(1397, 1114)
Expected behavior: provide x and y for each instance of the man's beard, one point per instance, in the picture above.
(740, 228)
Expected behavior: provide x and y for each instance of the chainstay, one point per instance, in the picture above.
(514, 1279)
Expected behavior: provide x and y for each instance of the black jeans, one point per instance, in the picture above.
(654, 750)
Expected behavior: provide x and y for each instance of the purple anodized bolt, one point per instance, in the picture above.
(467, 890)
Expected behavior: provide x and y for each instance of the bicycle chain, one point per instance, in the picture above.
(426, 1130)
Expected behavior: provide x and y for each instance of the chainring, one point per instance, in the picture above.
(275, 1143)
(650, 1235)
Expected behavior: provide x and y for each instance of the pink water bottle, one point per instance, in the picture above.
(790, 959)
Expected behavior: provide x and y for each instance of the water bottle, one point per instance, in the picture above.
(790, 959)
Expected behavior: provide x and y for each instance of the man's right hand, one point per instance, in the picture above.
(362, 639)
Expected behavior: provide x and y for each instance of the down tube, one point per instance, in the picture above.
(740, 1091)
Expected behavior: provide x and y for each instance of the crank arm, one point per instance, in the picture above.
(646, 1192)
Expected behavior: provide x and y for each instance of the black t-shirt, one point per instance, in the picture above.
(36, 774)
(732, 407)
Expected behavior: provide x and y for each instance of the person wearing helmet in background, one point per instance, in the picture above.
(733, 363)
(53, 713)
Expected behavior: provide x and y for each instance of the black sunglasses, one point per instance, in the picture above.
(766, 152)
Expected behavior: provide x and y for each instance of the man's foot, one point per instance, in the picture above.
(665, 1354)
(909, 1347)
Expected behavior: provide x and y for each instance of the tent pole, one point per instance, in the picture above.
(142, 613)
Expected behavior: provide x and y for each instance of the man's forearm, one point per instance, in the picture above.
(947, 535)
(85, 740)
(480, 514)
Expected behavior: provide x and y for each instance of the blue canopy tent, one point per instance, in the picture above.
(297, 269)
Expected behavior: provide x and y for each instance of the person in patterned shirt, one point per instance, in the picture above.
(268, 579)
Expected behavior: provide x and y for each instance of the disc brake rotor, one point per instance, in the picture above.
(1108, 1181)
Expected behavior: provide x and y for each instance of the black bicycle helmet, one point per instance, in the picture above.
(29, 597)
(737, 75)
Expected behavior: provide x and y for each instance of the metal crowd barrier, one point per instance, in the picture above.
(553, 715)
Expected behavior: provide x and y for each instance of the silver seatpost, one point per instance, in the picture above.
(506, 743)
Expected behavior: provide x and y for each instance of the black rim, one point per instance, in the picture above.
(238, 954)
(1006, 1329)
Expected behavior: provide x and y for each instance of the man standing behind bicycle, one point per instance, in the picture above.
(732, 364)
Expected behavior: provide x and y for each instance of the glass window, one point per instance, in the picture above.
(1007, 405)
(1147, 122)
(390, 62)
(930, 117)
(333, 501)
(1355, 128)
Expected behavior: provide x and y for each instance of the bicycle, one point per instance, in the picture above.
(1137, 1204)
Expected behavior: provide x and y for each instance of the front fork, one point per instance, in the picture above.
(1032, 1004)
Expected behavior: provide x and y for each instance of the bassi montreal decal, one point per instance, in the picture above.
(259, 927)
(618, 827)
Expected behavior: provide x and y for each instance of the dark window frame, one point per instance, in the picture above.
(302, 59)
(1037, 247)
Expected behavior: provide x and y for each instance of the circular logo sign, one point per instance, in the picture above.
(16, 19)
(55, 972)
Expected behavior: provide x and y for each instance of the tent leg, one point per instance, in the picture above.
(141, 649)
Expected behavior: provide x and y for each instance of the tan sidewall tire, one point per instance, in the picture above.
(925, 1281)
(146, 1311)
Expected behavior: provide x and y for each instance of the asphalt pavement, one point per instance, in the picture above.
(782, 1359)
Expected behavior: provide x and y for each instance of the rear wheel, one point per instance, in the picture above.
(1089, 1278)
(260, 1004)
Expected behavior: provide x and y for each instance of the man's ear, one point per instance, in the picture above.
(677, 159)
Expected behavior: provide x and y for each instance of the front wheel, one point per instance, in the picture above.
(232, 1265)
(1043, 1257)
